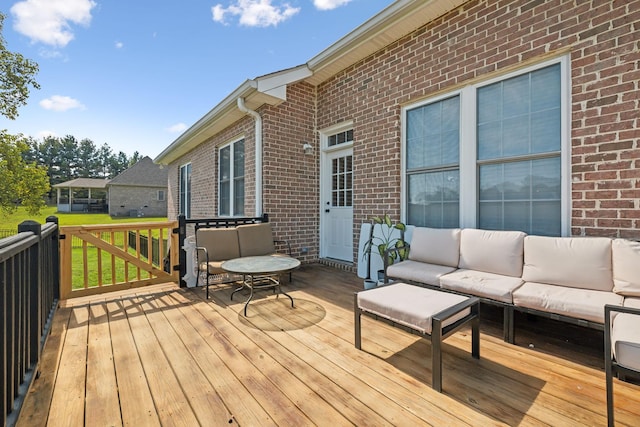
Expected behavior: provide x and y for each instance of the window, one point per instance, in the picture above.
(231, 179)
(160, 197)
(345, 137)
(433, 155)
(491, 155)
(185, 190)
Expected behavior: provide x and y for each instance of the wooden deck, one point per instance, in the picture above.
(166, 356)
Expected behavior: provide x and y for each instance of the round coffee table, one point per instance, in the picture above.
(260, 272)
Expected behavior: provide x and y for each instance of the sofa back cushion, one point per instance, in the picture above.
(439, 246)
(256, 239)
(626, 267)
(577, 262)
(498, 252)
(221, 243)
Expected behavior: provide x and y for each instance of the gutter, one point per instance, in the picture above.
(258, 152)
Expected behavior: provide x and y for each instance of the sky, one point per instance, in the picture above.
(135, 74)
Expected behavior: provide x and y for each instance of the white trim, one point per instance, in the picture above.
(468, 145)
(186, 212)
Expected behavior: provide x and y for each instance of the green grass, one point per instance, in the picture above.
(11, 222)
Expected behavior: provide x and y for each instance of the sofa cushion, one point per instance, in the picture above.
(626, 267)
(632, 302)
(479, 283)
(572, 302)
(498, 252)
(436, 246)
(410, 305)
(577, 262)
(221, 244)
(625, 340)
(415, 271)
(256, 239)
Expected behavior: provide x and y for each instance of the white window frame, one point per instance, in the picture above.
(184, 203)
(231, 177)
(468, 145)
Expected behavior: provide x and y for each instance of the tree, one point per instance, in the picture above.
(17, 74)
(22, 183)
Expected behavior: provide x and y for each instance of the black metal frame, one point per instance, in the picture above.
(438, 331)
(611, 367)
(29, 293)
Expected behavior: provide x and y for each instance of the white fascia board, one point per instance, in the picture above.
(275, 84)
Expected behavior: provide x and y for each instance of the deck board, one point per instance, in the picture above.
(167, 356)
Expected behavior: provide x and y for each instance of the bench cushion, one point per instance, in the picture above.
(416, 271)
(439, 246)
(256, 239)
(410, 305)
(626, 270)
(572, 302)
(481, 284)
(625, 340)
(221, 244)
(498, 252)
(577, 262)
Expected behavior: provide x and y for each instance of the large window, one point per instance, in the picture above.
(490, 155)
(185, 190)
(231, 179)
(433, 155)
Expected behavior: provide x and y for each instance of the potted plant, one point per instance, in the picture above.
(387, 238)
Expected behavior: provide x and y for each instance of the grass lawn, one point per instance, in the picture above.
(11, 222)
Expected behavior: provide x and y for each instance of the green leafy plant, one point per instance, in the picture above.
(387, 239)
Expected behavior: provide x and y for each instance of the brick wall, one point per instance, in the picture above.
(483, 39)
(125, 198)
(290, 181)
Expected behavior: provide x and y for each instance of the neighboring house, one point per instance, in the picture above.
(82, 195)
(141, 190)
(519, 114)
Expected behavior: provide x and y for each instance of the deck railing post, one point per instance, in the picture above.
(55, 261)
(33, 297)
(182, 258)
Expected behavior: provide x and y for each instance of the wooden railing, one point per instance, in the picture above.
(103, 258)
(28, 298)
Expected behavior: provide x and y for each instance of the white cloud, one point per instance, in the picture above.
(49, 21)
(61, 103)
(178, 127)
(329, 4)
(45, 133)
(119, 45)
(255, 13)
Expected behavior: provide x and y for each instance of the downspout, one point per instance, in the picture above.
(258, 153)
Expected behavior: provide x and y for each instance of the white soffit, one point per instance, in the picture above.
(399, 19)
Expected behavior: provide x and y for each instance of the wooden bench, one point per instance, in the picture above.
(427, 312)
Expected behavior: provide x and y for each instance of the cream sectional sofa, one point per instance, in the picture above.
(565, 278)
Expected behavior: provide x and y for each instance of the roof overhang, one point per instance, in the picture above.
(270, 89)
(399, 19)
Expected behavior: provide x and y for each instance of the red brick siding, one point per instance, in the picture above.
(290, 181)
(475, 42)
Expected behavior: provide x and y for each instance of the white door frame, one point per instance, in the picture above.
(325, 176)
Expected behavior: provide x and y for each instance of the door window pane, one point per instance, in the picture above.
(231, 192)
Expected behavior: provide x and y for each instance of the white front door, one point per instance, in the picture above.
(337, 205)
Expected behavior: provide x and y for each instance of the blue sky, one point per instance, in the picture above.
(136, 73)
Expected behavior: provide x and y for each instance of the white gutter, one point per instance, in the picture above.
(258, 153)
